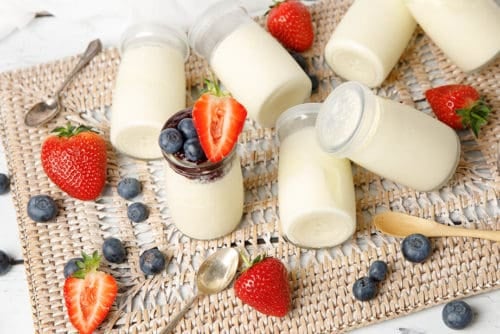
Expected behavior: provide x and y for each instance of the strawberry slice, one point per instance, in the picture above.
(89, 294)
(218, 119)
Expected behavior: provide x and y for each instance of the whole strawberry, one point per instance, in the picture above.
(89, 294)
(458, 106)
(264, 286)
(75, 160)
(289, 21)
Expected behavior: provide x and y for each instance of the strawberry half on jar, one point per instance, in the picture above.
(204, 182)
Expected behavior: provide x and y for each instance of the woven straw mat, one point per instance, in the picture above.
(321, 280)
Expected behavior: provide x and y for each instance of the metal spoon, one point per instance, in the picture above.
(44, 111)
(214, 275)
(400, 225)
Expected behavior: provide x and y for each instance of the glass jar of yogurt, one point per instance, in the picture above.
(369, 40)
(388, 138)
(467, 31)
(150, 86)
(249, 62)
(315, 189)
(205, 199)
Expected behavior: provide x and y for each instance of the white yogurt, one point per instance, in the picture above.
(388, 138)
(467, 31)
(249, 62)
(150, 87)
(204, 207)
(369, 40)
(315, 190)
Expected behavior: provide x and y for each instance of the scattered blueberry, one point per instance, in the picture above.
(4, 183)
(129, 187)
(365, 288)
(457, 314)
(378, 270)
(186, 127)
(5, 263)
(137, 212)
(113, 250)
(193, 150)
(71, 267)
(170, 140)
(42, 208)
(300, 60)
(416, 248)
(152, 261)
(314, 81)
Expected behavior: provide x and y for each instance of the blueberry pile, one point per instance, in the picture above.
(181, 139)
(305, 67)
(366, 288)
(457, 314)
(416, 248)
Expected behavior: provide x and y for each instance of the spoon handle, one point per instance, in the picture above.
(173, 322)
(92, 50)
(465, 232)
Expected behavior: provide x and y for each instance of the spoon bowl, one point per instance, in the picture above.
(44, 111)
(214, 275)
(401, 225)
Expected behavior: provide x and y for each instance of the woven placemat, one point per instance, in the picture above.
(321, 279)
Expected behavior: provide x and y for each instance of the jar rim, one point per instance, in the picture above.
(154, 33)
(297, 117)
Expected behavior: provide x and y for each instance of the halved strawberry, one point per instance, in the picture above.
(89, 294)
(218, 119)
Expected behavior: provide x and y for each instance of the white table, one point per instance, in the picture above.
(48, 39)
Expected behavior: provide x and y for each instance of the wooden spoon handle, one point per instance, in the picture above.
(465, 232)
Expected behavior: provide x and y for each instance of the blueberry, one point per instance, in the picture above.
(193, 150)
(300, 60)
(42, 208)
(113, 250)
(186, 127)
(416, 248)
(129, 187)
(457, 314)
(4, 183)
(377, 271)
(152, 261)
(71, 266)
(364, 289)
(137, 212)
(314, 82)
(170, 140)
(5, 263)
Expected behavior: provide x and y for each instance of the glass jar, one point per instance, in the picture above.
(315, 189)
(467, 31)
(388, 138)
(205, 199)
(150, 86)
(249, 62)
(369, 40)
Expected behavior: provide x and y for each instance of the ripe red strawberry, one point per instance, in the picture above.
(264, 286)
(218, 119)
(459, 106)
(75, 160)
(289, 21)
(89, 294)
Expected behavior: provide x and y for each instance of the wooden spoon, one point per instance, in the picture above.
(400, 225)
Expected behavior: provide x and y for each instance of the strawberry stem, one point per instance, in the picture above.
(89, 264)
(70, 130)
(475, 116)
(249, 263)
(213, 87)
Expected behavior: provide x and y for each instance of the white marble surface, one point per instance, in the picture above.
(47, 39)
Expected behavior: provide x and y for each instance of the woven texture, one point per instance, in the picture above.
(321, 280)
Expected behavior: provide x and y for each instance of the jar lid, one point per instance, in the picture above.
(214, 24)
(345, 117)
(296, 118)
(154, 34)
